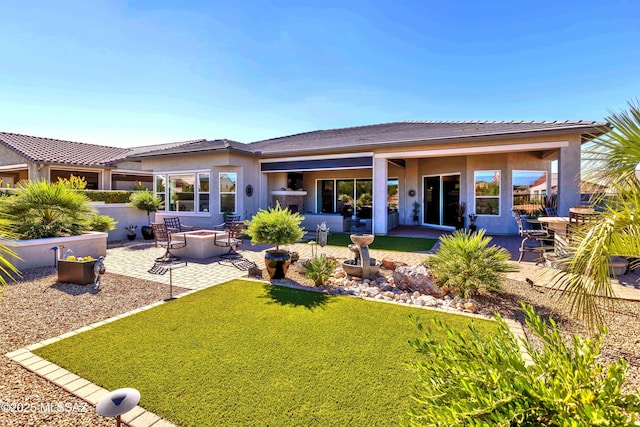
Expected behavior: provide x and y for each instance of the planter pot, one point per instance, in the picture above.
(277, 263)
(131, 236)
(78, 272)
(473, 228)
(147, 232)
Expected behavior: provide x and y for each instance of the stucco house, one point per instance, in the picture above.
(366, 177)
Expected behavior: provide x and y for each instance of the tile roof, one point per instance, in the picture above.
(57, 151)
(194, 147)
(414, 131)
(49, 150)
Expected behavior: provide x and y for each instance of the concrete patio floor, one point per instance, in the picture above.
(136, 258)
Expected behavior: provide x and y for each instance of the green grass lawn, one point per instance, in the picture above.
(249, 353)
(387, 243)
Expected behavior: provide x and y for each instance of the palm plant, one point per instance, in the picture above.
(7, 270)
(612, 161)
(41, 209)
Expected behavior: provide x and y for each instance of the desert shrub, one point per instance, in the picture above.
(108, 196)
(275, 226)
(102, 223)
(466, 264)
(319, 269)
(42, 209)
(74, 182)
(146, 202)
(469, 380)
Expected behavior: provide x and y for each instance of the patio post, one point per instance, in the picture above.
(569, 176)
(379, 195)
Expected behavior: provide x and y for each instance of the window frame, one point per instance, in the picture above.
(234, 192)
(485, 197)
(164, 178)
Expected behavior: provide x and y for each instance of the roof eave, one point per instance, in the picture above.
(595, 132)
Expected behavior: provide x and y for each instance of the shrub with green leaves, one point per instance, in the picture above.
(41, 209)
(474, 381)
(275, 226)
(146, 202)
(102, 223)
(319, 269)
(108, 196)
(466, 264)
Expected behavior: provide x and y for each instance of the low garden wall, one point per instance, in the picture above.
(38, 252)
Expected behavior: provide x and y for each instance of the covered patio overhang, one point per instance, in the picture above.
(409, 165)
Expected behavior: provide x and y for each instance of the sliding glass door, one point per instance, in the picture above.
(440, 200)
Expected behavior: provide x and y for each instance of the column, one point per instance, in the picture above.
(380, 195)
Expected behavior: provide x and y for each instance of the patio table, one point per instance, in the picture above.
(558, 224)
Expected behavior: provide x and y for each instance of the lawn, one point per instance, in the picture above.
(249, 353)
(387, 243)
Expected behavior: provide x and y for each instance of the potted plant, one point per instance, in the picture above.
(147, 202)
(472, 222)
(416, 212)
(78, 270)
(276, 226)
(131, 232)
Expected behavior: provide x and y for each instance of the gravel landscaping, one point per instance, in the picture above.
(37, 308)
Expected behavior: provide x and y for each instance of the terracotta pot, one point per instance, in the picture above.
(277, 263)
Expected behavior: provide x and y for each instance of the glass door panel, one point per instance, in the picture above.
(431, 200)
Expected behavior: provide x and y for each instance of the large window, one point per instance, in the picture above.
(487, 192)
(227, 192)
(529, 189)
(344, 195)
(183, 192)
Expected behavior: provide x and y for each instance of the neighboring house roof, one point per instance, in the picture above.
(56, 151)
(195, 147)
(416, 131)
(49, 150)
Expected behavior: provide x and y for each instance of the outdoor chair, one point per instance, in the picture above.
(228, 220)
(168, 241)
(173, 225)
(551, 211)
(233, 239)
(542, 240)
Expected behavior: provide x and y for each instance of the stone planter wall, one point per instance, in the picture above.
(38, 253)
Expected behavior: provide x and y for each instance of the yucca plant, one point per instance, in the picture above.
(41, 209)
(466, 263)
(319, 269)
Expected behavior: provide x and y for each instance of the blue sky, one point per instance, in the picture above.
(142, 72)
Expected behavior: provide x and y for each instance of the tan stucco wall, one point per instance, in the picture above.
(10, 157)
(246, 168)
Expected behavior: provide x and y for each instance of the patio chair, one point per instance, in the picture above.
(551, 211)
(168, 241)
(173, 225)
(228, 220)
(542, 240)
(233, 239)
